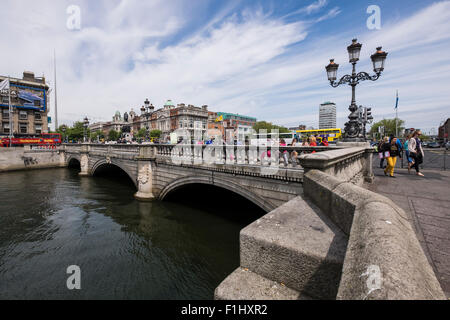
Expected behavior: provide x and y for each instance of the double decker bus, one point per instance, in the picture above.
(45, 140)
(331, 134)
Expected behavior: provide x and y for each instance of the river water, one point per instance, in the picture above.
(52, 219)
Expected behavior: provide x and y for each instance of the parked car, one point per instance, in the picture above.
(447, 145)
(434, 145)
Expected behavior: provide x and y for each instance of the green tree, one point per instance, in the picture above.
(76, 132)
(155, 134)
(141, 133)
(269, 127)
(113, 135)
(98, 135)
(389, 127)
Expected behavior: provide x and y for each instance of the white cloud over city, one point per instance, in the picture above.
(247, 60)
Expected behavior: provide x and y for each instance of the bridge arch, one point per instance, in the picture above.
(218, 182)
(73, 160)
(97, 165)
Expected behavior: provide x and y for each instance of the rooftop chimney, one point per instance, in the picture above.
(28, 75)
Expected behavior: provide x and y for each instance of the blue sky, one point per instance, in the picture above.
(260, 58)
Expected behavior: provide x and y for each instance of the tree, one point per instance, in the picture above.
(141, 133)
(155, 134)
(269, 127)
(389, 127)
(97, 135)
(113, 135)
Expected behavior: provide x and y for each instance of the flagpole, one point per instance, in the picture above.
(56, 96)
(10, 113)
(396, 116)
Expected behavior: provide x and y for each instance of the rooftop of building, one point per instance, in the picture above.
(227, 115)
(328, 103)
(29, 79)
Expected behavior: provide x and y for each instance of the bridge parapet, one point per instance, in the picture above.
(353, 164)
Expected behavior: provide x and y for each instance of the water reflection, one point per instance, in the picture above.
(126, 249)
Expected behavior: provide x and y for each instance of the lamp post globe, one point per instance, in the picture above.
(353, 51)
(378, 59)
(332, 70)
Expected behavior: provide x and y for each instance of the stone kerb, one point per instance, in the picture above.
(384, 259)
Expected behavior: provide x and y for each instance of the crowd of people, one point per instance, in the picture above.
(390, 148)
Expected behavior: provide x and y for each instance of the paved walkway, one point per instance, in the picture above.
(427, 200)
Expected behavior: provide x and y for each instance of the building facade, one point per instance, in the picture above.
(30, 106)
(241, 125)
(327, 115)
(444, 130)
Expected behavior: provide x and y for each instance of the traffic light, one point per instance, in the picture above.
(368, 115)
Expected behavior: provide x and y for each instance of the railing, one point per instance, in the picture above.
(209, 154)
(235, 154)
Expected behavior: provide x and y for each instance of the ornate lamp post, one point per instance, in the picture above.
(85, 125)
(64, 128)
(354, 128)
(147, 111)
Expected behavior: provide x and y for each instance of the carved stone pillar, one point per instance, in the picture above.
(145, 182)
(62, 158)
(368, 168)
(84, 164)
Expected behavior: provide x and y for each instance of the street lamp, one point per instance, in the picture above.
(147, 111)
(85, 125)
(354, 127)
(64, 128)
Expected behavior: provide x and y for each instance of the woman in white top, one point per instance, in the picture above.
(416, 151)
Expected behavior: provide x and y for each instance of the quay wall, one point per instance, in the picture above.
(25, 158)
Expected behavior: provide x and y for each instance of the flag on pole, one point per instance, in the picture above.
(4, 84)
(396, 101)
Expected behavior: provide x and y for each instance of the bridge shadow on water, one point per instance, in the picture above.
(218, 201)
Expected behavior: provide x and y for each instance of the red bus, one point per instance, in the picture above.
(45, 139)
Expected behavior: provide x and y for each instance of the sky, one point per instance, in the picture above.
(264, 59)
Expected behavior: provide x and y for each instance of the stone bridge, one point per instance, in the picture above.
(157, 170)
(323, 237)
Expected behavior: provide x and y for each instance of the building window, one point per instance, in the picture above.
(37, 103)
(37, 116)
(38, 128)
(5, 127)
(5, 114)
(23, 128)
(23, 115)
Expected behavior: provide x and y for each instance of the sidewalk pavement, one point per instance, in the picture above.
(427, 201)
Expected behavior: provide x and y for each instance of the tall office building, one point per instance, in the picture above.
(327, 115)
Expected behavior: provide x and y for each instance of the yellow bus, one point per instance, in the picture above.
(331, 134)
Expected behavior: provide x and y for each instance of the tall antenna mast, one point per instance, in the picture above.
(56, 96)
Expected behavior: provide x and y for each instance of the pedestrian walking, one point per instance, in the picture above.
(407, 153)
(381, 152)
(391, 152)
(416, 151)
(285, 153)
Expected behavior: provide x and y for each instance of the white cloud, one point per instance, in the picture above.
(243, 63)
(312, 8)
(331, 14)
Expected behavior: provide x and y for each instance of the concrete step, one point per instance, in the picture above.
(243, 284)
(296, 244)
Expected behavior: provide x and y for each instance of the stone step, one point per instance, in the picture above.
(296, 244)
(243, 284)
